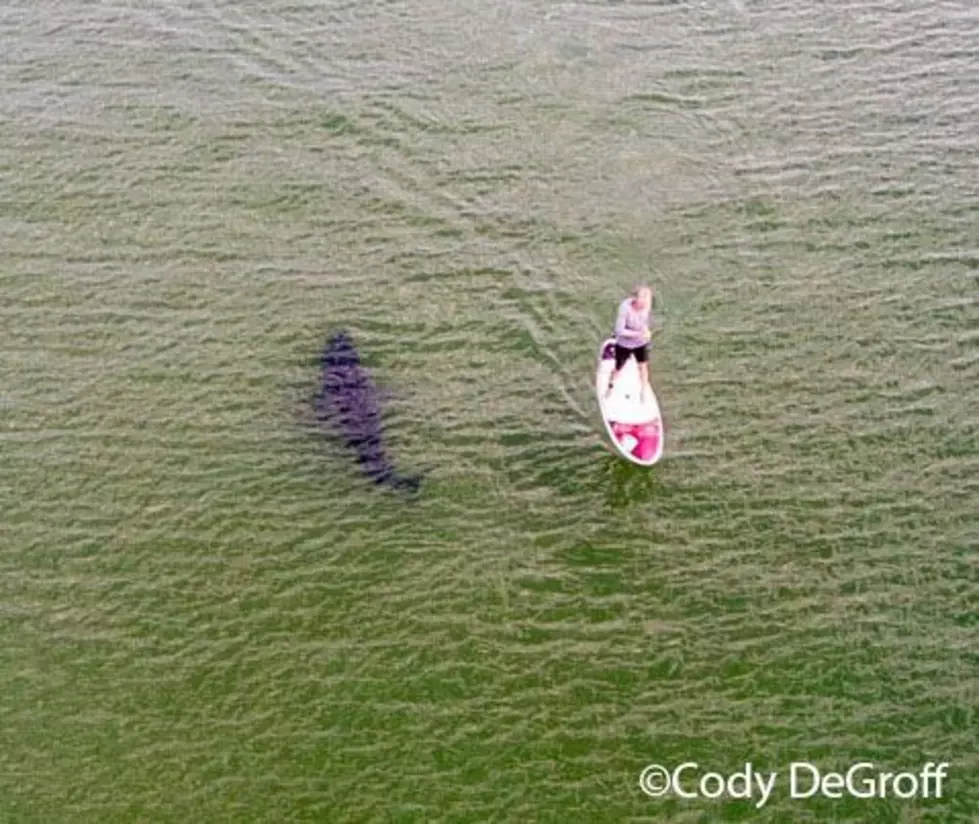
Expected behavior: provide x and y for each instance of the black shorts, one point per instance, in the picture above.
(622, 354)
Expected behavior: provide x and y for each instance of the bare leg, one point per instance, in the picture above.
(615, 373)
(611, 381)
(644, 375)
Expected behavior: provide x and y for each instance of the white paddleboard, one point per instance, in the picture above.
(632, 421)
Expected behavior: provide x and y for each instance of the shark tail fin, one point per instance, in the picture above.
(408, 483)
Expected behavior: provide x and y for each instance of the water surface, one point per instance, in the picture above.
(206, 614)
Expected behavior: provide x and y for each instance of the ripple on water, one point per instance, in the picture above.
(209, 612)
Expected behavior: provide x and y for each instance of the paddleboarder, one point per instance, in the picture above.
(632, 335)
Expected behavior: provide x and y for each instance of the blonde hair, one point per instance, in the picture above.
(637, 290)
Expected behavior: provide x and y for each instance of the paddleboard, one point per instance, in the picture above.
(633, 422)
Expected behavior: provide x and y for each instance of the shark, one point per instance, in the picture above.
(348, 400)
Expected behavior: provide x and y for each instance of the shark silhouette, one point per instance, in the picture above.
(348, 399)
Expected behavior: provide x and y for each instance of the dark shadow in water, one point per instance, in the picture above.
(626, 483)
(324, 433)
(326, 440)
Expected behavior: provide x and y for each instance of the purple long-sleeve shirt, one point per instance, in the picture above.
(630, 325)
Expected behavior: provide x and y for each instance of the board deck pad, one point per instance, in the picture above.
(633, 423)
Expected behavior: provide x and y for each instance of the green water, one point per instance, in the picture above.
(208, 615)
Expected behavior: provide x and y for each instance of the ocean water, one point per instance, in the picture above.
(207, 614)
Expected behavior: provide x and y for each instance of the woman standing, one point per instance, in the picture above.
(632, 335)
